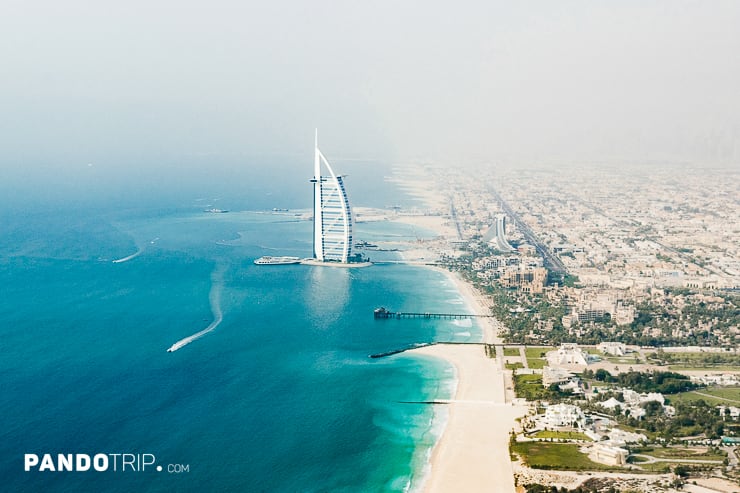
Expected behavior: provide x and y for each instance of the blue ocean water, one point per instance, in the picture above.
(280, 396)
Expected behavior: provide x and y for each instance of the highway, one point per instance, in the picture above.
(552, 262)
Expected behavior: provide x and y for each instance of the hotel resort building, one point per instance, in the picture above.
(332, 216)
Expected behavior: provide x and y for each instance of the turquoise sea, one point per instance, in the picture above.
(280, 396)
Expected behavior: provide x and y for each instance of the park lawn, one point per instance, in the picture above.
(532, 380)
(727, 393)
(563, 456)
(513, 366)
(567, 435)
(693, 361)
(536, 364)
(530, 387)
(534, 357)
(701, 358)
(693, 396)
(684, 453)
(536, 351)
(657, 467)
(683, 367)
(714, 396)
(511, 351)
(678, 453)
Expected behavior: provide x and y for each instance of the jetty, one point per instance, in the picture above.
(424, 344)
(401, 350)
(382, 313)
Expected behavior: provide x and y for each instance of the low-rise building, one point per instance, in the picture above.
(613, 348)
(620, 436)
(607, 453)
(560, 415)
(551, 375)
(569, 354)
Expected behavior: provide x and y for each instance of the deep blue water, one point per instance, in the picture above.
(281, 396)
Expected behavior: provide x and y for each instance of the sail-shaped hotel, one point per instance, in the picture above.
(332, 215)
(332, 222)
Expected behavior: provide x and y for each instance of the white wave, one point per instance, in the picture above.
(215, 299)
(138, 252)
(463, 334)
(126, 259)
(423, 472)
(465, 322)
(457, 301)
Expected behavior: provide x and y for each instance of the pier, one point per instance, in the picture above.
(382, 313)
(402, 350)
(489, 348)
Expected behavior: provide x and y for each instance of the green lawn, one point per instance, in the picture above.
(536, 352)
(680, 453)
(728, 393)
(529, 380)
(567, 435)
(712, 395)
(511, 351)
(513, 366)
(535, 358)
(565, 456)
(703, 367)
(657, 467)
(693, 361)
(529, 387)
(536, 364)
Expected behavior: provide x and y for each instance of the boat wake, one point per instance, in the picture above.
(126, 259)
(133, 256)
(217, 279)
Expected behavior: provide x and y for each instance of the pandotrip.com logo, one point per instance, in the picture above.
(99, 462)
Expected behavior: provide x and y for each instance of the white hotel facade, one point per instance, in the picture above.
(332, 223)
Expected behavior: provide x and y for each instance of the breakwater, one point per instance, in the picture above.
(382, 313)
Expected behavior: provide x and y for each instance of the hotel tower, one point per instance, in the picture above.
(332, 216)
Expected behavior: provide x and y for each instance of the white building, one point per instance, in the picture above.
(609, 454)
(729, 411)
(635, 398)
(621, 436)
(552, 375)
(568, 354)
(563, 415)
(332, 216)
(613, 348)
(611, 403)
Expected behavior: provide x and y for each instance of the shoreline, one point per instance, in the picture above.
(472, 452)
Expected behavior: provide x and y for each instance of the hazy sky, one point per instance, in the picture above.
(146, 81)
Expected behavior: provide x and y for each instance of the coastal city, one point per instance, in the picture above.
(406, 247)
(610, 305)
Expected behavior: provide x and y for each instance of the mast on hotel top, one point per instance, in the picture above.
(332, 215)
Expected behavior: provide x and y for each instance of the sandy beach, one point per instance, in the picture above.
(473, 452)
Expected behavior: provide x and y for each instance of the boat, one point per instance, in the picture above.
(277, 260)
(366, 245)
(216, 211)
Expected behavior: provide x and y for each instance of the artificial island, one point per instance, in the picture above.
(332, 221)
